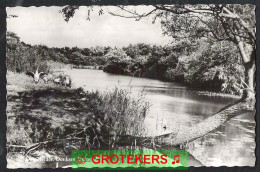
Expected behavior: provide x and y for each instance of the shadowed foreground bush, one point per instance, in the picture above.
(73, 119)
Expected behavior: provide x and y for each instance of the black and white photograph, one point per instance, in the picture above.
(125, 77)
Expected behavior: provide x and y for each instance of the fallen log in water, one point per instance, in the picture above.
(188, 134)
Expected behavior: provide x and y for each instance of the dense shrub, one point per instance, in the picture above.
(111, 68)
(22, 58)
(214, 67)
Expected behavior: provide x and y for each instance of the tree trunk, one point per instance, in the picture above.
(188, 134)
(249, 92)
(249, 65)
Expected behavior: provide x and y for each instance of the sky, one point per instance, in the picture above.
(45, 25)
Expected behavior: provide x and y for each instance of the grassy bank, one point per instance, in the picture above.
(48, 120)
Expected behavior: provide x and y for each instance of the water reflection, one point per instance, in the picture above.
(173, 106)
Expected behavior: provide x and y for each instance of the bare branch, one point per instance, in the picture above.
(134, 13)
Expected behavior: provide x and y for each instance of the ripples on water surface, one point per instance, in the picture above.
(173, 106)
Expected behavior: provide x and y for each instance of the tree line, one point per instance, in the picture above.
(207, 65)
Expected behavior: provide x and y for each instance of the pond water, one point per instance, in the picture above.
(173, 106)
